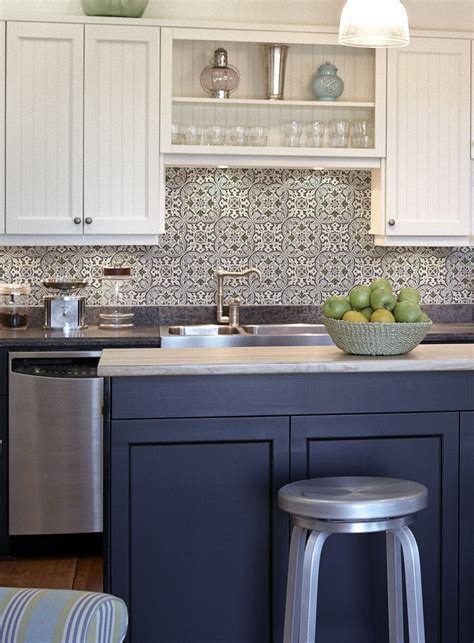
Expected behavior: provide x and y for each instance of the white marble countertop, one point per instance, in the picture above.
(278, 359)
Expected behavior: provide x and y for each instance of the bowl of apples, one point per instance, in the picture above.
(374, 320)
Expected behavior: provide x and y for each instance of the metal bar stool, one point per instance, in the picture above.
(352, 505)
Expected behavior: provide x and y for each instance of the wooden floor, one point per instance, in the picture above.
(81, 571)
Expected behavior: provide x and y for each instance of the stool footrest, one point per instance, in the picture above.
(351, 527)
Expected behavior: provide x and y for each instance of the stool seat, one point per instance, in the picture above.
(353, 498)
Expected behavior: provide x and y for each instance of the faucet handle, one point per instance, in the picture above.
(234, 311)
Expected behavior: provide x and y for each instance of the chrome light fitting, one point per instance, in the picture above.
(374, 23)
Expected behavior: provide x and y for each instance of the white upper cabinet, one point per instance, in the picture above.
(44, 123)
(121, 133)
(185, 105)
(2, 127)
(422, 195)
(472, 100)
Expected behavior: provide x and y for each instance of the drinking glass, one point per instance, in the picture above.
(193, 135)
(237, 135)
(258, 136)
(362, 134)
(339, 133)
(314, 133)
(178, 135)
(215, 135)
(292, 131)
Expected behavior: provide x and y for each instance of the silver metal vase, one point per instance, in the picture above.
(275, 65)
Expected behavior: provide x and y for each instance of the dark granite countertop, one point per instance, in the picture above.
(451, 332)
(149, 336)
(138, 336)
(453, 322)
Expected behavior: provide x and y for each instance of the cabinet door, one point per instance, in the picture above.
(466, 529)
(413, 446)
(44, 126)
(428, 146)
(198, 547)
(121, 139)
(4, 540)
(2, 127)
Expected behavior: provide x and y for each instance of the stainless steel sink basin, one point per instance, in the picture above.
(203, 330)
(285, 329)
(215, 335)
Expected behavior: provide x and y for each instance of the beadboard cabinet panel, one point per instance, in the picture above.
(2, 127)
(121, 134)
(44, 122)
(428, 120)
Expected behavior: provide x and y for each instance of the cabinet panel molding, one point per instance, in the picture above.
(416, 446)
(44, 128)
(121, 135)
(195, 527)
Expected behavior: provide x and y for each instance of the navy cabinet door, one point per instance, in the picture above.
(466, 530)
(198, 548)
(4, 540)
(414, 446)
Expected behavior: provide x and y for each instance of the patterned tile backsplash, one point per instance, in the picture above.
(307, 231)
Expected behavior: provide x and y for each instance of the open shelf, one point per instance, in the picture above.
(270, 103)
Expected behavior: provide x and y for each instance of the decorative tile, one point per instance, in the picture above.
(307, 231)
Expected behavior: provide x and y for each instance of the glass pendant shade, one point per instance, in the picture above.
(374, 23)
(219, 79)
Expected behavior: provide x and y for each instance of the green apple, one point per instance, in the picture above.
(409, 294)
(355, 316)
(382, 298)
(382, 316)
(424, 318)
(407, 312)
(335, 307)
(380, 282)
(367, 312)
(359, 297)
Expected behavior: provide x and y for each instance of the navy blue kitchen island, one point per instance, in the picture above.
(196, 544)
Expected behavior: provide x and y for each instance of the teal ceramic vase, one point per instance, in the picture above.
(327, 85)
(118, 8)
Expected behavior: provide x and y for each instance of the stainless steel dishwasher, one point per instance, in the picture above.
(55, 443)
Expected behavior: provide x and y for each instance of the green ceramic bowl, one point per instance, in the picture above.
(119, 8)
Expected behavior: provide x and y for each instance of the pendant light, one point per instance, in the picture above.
(374, 23)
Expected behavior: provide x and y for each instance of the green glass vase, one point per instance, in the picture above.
(118, 8)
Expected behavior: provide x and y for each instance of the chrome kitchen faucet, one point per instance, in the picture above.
(233, 318)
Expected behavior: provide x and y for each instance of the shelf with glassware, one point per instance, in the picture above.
(199, 117)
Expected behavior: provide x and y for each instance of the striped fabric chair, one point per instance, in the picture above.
(61, 616)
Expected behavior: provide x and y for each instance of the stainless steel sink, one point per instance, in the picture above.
(203, 330)
(215, 335)
(285, 329)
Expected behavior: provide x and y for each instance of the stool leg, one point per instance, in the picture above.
(411, 558)
(293, 585)
(394, 587)
(309, 593)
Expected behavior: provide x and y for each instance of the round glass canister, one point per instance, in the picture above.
(14, 299)
(327, 85)
(118, 8)
(116, 282)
